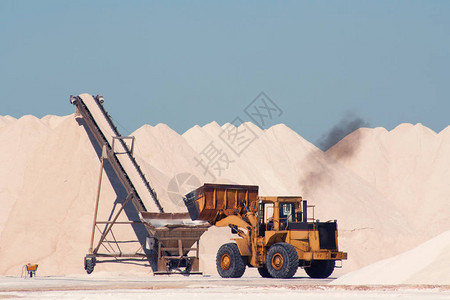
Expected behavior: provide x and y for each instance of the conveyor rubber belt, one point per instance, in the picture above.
(99, 118)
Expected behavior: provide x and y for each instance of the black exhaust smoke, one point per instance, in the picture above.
(346, 126)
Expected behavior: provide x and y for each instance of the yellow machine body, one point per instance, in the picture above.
(241, 209)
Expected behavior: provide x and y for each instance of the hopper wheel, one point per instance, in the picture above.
(89, 264)
(229, 262)
(282, 260)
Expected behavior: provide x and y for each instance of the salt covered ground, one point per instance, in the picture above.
(139, 286)
(239, 294)
(387, 189)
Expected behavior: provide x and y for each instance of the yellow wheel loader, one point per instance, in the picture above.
(275, 234)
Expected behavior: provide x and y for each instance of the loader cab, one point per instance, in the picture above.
(287, 214)
(276, 213)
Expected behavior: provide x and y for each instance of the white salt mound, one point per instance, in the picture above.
(428, 263)
(408, 166)
(283, 163)
(50, 171)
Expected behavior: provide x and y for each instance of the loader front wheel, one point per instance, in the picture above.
(229, 262)
(282, 260)
(320, 268)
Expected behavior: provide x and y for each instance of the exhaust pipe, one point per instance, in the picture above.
(305, 211)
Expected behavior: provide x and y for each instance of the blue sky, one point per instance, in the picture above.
(185, 63)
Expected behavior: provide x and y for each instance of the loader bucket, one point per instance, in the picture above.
(212, 202)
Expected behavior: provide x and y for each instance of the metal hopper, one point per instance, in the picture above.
(176, 240)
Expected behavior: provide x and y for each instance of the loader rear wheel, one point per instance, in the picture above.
(229, 262)
(282, 260)
(320, 268)
(264, 272)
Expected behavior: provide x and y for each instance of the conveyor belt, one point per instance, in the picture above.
(123, 162)
(173, 236)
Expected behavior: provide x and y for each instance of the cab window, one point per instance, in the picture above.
(287, 212)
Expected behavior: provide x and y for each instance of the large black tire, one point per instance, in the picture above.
(264, 272)
(89, 265)
(229, 262)
(282, 260)
(320, 268)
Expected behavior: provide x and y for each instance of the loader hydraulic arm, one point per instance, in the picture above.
(233, 220)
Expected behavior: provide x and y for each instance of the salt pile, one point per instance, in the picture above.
(425, 264)
(50, 173)
(409, 166)
(283, 163)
